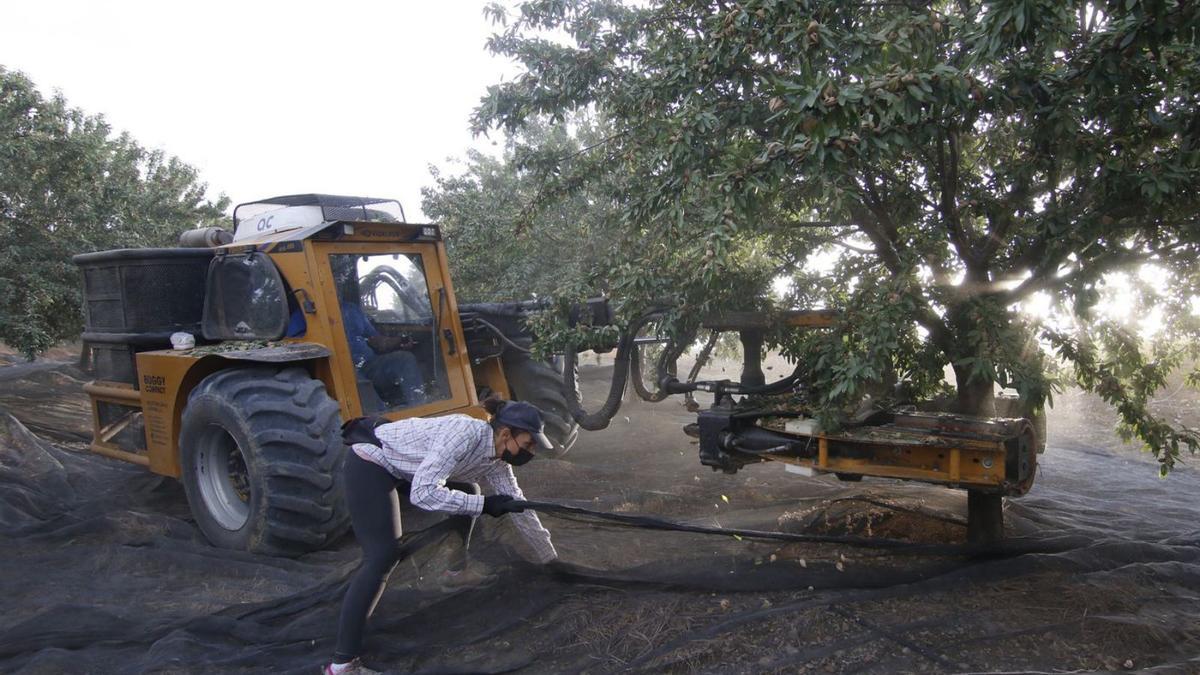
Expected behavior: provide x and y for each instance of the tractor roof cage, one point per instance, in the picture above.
(333, 208)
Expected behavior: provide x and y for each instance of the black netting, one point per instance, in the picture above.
(103, 570)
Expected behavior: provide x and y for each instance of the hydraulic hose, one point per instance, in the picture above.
(787, 384)
(665, 366)
(639, 385)
(599, 420)
(499, 334)
(628, 360)
(1006, 548)
(689, 398)
(667, 369)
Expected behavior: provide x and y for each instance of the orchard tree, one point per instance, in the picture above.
(517, 227)
(498, 250)
(69, 185)
(942, 162)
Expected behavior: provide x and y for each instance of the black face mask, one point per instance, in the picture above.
(522, 456)
(518, 459)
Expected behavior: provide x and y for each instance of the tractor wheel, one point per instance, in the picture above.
(261, 454)
(540, 384)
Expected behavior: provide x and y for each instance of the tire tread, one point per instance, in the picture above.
(294, 427)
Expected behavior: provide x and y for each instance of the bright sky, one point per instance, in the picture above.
(271, 98)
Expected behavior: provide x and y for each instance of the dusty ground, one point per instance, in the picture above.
(104, 572)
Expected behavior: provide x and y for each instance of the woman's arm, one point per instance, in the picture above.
(500, 480)
(429, 489)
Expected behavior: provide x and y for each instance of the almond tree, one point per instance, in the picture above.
(69, 185)
(959, 158)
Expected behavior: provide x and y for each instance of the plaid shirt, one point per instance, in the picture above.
(430, 451)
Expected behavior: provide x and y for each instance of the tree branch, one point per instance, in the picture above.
(876, 204)
(941, 275)
(816, 223)
(997, 236)
(856, 249)
(923, 199)
(1096, 266)
(884, 247)
(948, 207)
(1087, 16)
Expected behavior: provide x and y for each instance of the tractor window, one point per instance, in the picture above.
(389, 322)
(244, 299)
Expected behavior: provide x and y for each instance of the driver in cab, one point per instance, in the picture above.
(385, 360)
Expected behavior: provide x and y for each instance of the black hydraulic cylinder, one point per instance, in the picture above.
(752, 372)
(754, 439)
(728, 442)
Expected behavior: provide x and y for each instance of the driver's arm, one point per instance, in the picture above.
(383, 344)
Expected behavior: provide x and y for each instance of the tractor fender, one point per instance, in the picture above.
(286, 352)
(180, 372)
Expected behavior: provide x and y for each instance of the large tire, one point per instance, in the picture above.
(540, 384)
(261, 454)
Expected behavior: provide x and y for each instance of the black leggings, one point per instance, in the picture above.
(373, 498)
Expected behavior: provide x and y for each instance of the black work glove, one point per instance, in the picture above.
(362, 430)
(498, 505)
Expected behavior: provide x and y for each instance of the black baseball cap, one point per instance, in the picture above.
(525, 417)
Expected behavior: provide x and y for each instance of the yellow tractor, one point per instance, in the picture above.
(230, 362)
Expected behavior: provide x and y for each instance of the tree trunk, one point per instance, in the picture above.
(985, 518)
(975, 397)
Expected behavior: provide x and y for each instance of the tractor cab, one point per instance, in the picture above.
(388, 322)
(350, 275)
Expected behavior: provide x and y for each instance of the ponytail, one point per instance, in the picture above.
(493, 404)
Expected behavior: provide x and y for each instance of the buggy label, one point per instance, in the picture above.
(154, 384)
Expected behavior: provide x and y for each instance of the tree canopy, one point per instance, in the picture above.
(69, 185)
(498, 250)
(941, 162)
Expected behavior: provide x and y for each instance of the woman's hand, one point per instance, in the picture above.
(498, 505)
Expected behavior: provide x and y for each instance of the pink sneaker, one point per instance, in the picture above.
(474, 576)
(355, 667)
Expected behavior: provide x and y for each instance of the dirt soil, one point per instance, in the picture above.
(104, 570)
